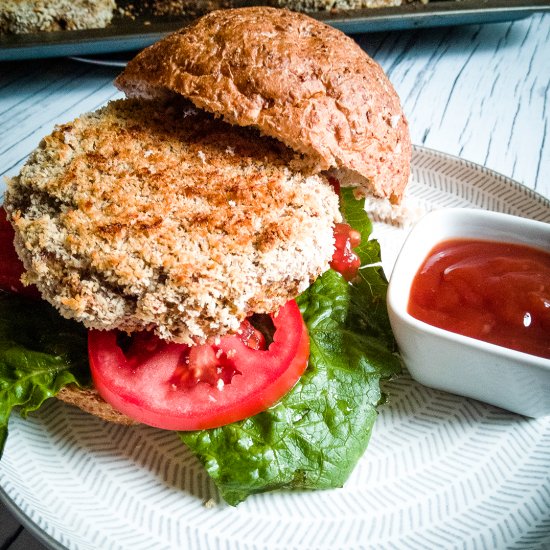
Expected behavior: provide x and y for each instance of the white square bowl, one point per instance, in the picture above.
(444, 360)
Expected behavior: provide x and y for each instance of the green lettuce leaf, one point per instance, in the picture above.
(354, 213)
(313, 438)
(40, 352)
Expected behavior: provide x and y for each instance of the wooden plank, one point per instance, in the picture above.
(479, 92)
(26, 541)
(9, 527)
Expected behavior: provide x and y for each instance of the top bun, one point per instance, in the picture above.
(295, 79)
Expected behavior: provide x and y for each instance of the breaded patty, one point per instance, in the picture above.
(143, 215)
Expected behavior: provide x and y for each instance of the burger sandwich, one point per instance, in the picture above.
(196, 256)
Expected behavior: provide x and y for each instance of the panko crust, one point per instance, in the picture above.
(295, 79)
(144, 215)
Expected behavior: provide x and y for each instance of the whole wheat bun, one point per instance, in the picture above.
(295, 79)
(89, 400)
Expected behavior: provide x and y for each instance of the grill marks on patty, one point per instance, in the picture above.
(148, 215)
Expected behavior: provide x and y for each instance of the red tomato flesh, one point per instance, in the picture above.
(11, 267)
(492, 291)
(177, 387)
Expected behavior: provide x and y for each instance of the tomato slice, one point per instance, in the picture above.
(177, 387)
(11, 267)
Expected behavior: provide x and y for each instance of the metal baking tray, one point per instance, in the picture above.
(133, 33)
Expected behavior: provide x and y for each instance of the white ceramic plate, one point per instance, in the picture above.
(441, 471)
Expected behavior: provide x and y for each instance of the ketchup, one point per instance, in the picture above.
(345, 260)
(491, 291)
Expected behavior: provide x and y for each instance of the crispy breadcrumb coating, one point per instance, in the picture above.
(144, 215)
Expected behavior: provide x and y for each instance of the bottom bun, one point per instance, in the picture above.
(89, 400)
